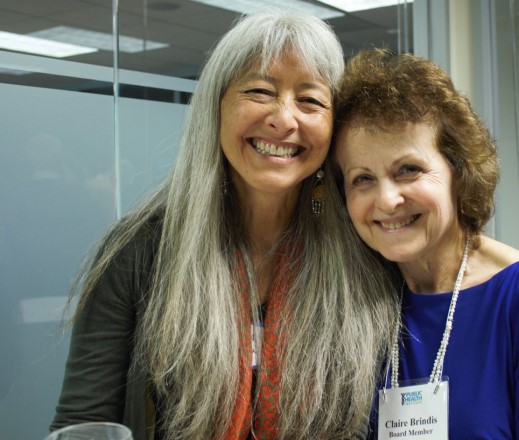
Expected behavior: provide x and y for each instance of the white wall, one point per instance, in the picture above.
(476, 41)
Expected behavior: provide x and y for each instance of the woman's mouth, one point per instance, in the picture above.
(398, 225)
(269, 149)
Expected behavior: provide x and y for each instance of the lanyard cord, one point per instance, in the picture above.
(437, 370)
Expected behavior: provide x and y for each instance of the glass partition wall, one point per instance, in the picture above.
(93, 98)
(74, 156)
(56, 161)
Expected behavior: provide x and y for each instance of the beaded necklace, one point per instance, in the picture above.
(437, 370)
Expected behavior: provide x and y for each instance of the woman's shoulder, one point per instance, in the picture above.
(498, 253)
(128, 250)
(151, 230)
(490, 259)
(128, 259)
(142, 244)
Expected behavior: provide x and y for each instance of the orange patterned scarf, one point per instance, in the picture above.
(263, 420)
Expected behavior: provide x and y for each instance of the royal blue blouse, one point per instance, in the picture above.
(482, 360)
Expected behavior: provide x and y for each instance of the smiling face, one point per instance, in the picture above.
(276, 127)
(399, 192)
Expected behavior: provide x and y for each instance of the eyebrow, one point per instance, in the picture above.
(398, 161)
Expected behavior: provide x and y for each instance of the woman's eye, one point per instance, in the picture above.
(361, 180)
(409, 169)
(260, 91)
(312, 101)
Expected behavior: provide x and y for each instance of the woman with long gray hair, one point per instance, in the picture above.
(246, 234)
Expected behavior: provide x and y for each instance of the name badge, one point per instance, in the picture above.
(414, 412)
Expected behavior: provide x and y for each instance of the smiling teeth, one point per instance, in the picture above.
(272, 150)
(400, 224)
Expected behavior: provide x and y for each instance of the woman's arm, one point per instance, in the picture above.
(96, 375)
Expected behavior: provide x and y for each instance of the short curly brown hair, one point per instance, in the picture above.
(384, 90)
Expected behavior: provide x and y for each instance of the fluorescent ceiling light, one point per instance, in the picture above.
(362, 5)
(40, 46)
(99, 40)
(252, 6)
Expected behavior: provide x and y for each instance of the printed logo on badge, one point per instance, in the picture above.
(411, 398)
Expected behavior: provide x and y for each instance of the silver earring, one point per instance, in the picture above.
(318, 194)
(224, 190)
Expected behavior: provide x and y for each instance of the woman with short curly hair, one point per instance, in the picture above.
(418, 170)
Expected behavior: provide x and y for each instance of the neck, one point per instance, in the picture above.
(266, 217)
(437, 273)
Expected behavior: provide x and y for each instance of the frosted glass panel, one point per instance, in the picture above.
(56, 198)
(57, 195)
(149, 137)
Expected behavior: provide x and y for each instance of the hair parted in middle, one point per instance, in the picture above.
(384, 90)
(340, 304)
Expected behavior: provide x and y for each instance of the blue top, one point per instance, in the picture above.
(482, 360)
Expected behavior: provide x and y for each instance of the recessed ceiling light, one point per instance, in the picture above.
(99, 40)
(41, 46)
(362, 5)
(252, 6)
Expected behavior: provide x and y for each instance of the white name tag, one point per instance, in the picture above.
(414, 412)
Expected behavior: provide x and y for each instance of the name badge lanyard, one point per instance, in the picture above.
(435, 378)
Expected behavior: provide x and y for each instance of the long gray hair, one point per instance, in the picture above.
(340, 303)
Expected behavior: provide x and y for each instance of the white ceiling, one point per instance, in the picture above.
(188, 27)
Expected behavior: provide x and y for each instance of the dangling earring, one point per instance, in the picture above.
(224, 187)
(318, 194)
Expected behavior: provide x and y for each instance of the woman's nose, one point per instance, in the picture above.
(389, 196)
(283, 117)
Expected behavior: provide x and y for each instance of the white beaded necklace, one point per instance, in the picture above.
(437, 370)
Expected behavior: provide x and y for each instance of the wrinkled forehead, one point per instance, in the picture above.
(379, 123)
(287, 57)
(348, 131)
